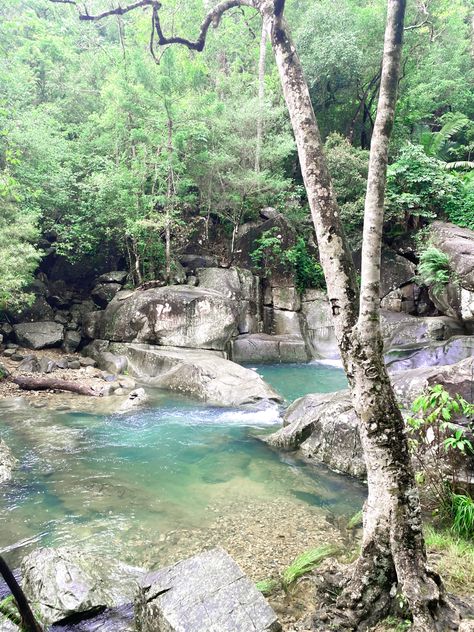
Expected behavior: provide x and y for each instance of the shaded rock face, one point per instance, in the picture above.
(103, 293)
(39, 335)
(205, 593)
(203, 375)
(324, 427)
(402, 329)
(396, 271)
(433, 354)
(7, 462)
(457, 298)
(318, 329)
(65, 582)
(180, 316)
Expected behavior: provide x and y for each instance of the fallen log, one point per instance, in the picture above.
(53, 384)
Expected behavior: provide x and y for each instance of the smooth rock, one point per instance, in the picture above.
(115, 276)
(287, 298)
(180, 316)
(136, 399)
(286, 323)
(106, 361)
(431, 354)
(223, 280)
(72, 340)
(104, 293)
(47, 365)
(317, 325)
(30, 364)
(402, 329)
(39, 335)
(67, 581)
(268, 348)
(205, 593)
(203, 375)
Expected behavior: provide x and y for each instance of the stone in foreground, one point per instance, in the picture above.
(205, 593)
(66, 582)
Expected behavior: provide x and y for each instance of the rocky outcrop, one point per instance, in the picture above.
(208, 591)
(39, 335)
(396, 271)
(432, 354)
(67, 582)
(7, 462)
(318, 328)
(270, 349)
(180, 316)
(399, 330)
(457, 298)
(324, 427)
(203, 375)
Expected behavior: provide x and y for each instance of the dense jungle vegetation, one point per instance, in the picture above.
(104, 152)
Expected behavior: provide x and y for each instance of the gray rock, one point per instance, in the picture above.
(39, 335)
(116, 276)
(17, 357)
(30, 364)
(223, 280)
(268, 348)
(87, 362)
(402, 329)
(105, 360)
(180, 316)
(136, 399)
(128, 383)
(66, 581)
(286, 297)
(7, 462)
(430, 354)
(286, 323)
(40, 310)
(72, 340)
(324, 427)
(203, 375)
(458, 244)
(47, 365)
(317, 325)
(193, 262)
(73, 364)
(9, 352)
(205, 593)
(4, 372)
(103, 293)
(396, 271)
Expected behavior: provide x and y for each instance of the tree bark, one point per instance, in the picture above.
(51, 383)
(261, 96)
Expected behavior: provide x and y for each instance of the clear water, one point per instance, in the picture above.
(123, 483)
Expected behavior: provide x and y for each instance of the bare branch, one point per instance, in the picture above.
(65, 2)
(120, 10)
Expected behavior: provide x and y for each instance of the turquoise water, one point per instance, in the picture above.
(296, 380)
(123, 483)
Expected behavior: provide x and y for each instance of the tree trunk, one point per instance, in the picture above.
(51, 383)
(393, 552)
(261, 96)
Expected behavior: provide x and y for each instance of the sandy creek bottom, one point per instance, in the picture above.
(156, 485)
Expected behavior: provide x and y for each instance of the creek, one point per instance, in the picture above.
(151, 486)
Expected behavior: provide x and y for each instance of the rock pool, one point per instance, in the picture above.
(158, 484)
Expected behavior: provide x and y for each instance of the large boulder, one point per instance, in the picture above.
(203, 375)
(324, 427)
(267, 348)
(180, 316)
(7, 462)
(103, 293)
(457, 298)
(396, 271)
(115, 276)
(400, 329)
(207, 592)
(430, 354)
(66, 582)
(39, 335)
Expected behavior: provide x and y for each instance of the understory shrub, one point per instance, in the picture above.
(434, 269)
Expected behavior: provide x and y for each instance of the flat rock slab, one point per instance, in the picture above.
(268, 348)
(205, 593)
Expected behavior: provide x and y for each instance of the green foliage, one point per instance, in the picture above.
(462, 510)
(355, 521)
(434, 269)
(348, 166)
(267, 586)
(9, 610)
(454, 559)
(434, 435)
(306, 562)
(269, 253)
(419, 189)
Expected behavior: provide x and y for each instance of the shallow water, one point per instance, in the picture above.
(129, 485)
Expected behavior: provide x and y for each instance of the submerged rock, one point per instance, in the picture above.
(67, 582)
(136, 399)
(207, 592)
(7, 462)
(204, 375)
(180, 316)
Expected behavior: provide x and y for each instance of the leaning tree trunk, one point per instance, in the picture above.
(393, 551)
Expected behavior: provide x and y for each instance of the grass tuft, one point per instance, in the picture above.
(306, 562)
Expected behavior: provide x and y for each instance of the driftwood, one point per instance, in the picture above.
(51, 383)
